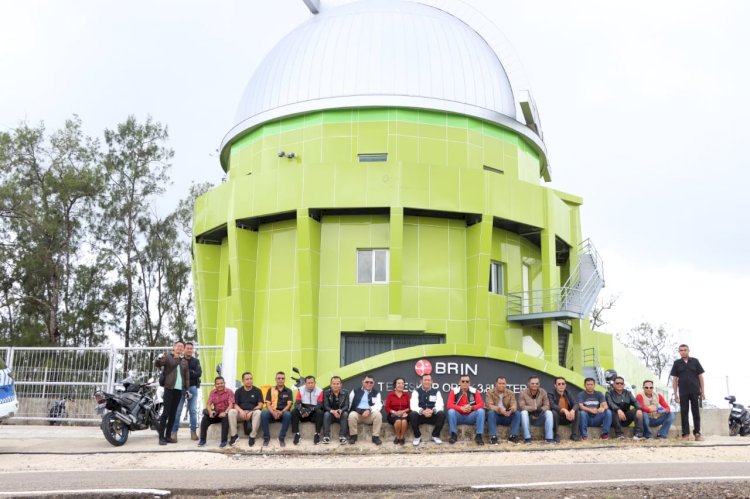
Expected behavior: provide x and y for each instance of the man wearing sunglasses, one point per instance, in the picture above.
(364, 407)
(564, 409)
(465, 406)
(625, 409)
(656, 411)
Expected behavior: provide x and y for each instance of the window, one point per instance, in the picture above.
(372, 265)
(359, 346)
(372, 157)
(497, 278)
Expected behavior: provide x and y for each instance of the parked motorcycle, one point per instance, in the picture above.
(739, 418)
(137, 407)
(58, 411)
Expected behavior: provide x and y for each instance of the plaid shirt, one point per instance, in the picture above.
(221, 401)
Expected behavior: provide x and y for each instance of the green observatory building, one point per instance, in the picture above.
(384, 211)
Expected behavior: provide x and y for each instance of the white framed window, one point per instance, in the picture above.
(497, 278)
(372, 265)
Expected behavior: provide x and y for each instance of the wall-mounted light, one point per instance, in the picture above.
(288, 155)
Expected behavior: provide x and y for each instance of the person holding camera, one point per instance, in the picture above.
(176, 374)
(308, 407)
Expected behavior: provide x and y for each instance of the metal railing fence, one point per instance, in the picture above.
(44, 376)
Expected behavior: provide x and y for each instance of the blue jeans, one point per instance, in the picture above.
(192, 409)
(266, 419)
(604, 420)
(664, 419)
(494, 419)
(547, 420)
(476, 418)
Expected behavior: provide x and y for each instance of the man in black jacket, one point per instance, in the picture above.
(625, 409)
(194, 368)
(564, 409)
(336, 410)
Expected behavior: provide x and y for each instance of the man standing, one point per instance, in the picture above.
(248, 406)
(364, 407)
(564, 409)
(534, 405)
(689, 391)
(278, 403)
(176, 382)
(503, 410)
(195, 371)
(625, 409)
(308, 407)
(336, 410)
(465, 406)
(594, 410)
(656, 411)
(220, 400)
(426, 406)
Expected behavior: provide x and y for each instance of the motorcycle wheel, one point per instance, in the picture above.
(115, 431)
(733, 430)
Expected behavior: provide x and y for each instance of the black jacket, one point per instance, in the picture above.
(622, 401)
(333, 402)
(554, 400)
(194, 366)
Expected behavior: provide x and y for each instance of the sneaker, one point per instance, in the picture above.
(698, 437)
(575, 437)
(266, 441)
(513, 439)
(352, 439)
(250, 441)
(619, 436)
(376, 440)
(436, 440)
(453, 439)
(527, 441)
(479, 440)
(493, 440)
(659, 437)
(416, 441)
(342, 440)
(223, 444)
(282, 442)
(233, 440)
(326, 440)
(162, 441)
(201, 442)
(556, 439)
(584, 437)
(604, 436)
(296, 439)
(316, 439)
(638, 436)
(550, 441)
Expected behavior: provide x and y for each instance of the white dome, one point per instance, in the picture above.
(379, 53)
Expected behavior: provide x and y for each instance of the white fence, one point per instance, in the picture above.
(44, 376)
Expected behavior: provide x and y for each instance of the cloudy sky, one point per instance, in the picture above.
(643, 105)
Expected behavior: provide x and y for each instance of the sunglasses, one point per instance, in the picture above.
(369, 382)
(648, 387)
(464, 381)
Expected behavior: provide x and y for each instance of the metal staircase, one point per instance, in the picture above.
(574, 300)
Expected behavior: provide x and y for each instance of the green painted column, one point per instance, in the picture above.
(308, 284)
(550, 279)
(478, 252)
(243, 261)
(578, 329)
(396, 262)
(206, 261)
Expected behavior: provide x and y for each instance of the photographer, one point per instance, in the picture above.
(176, 381)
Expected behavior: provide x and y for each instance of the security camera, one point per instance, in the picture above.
(290, 155)
(281, 154)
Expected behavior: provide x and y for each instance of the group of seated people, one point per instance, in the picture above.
(404, 410)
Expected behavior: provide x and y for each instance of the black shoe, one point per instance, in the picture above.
(493, 440)
(233, 440)
(162, 441)
(352, 439)
(296, 439)
(453, 439)
(201, 442)
(575, 437)
(396, 441)
(376, 440)
(250, 441)
(223, 444)
(316, 439)
(513, 439)
(342, 440)
(479, 440)
(282, 443)
(266, 441)
(557, 439)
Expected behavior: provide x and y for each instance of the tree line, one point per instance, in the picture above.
(84, 255)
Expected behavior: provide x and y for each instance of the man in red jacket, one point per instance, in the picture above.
(656, 411)
(465, 406)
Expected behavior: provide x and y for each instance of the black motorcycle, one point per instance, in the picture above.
(739, 418)
(137, 407)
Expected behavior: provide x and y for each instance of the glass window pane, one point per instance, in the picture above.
(364, 266)
(381, 266)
